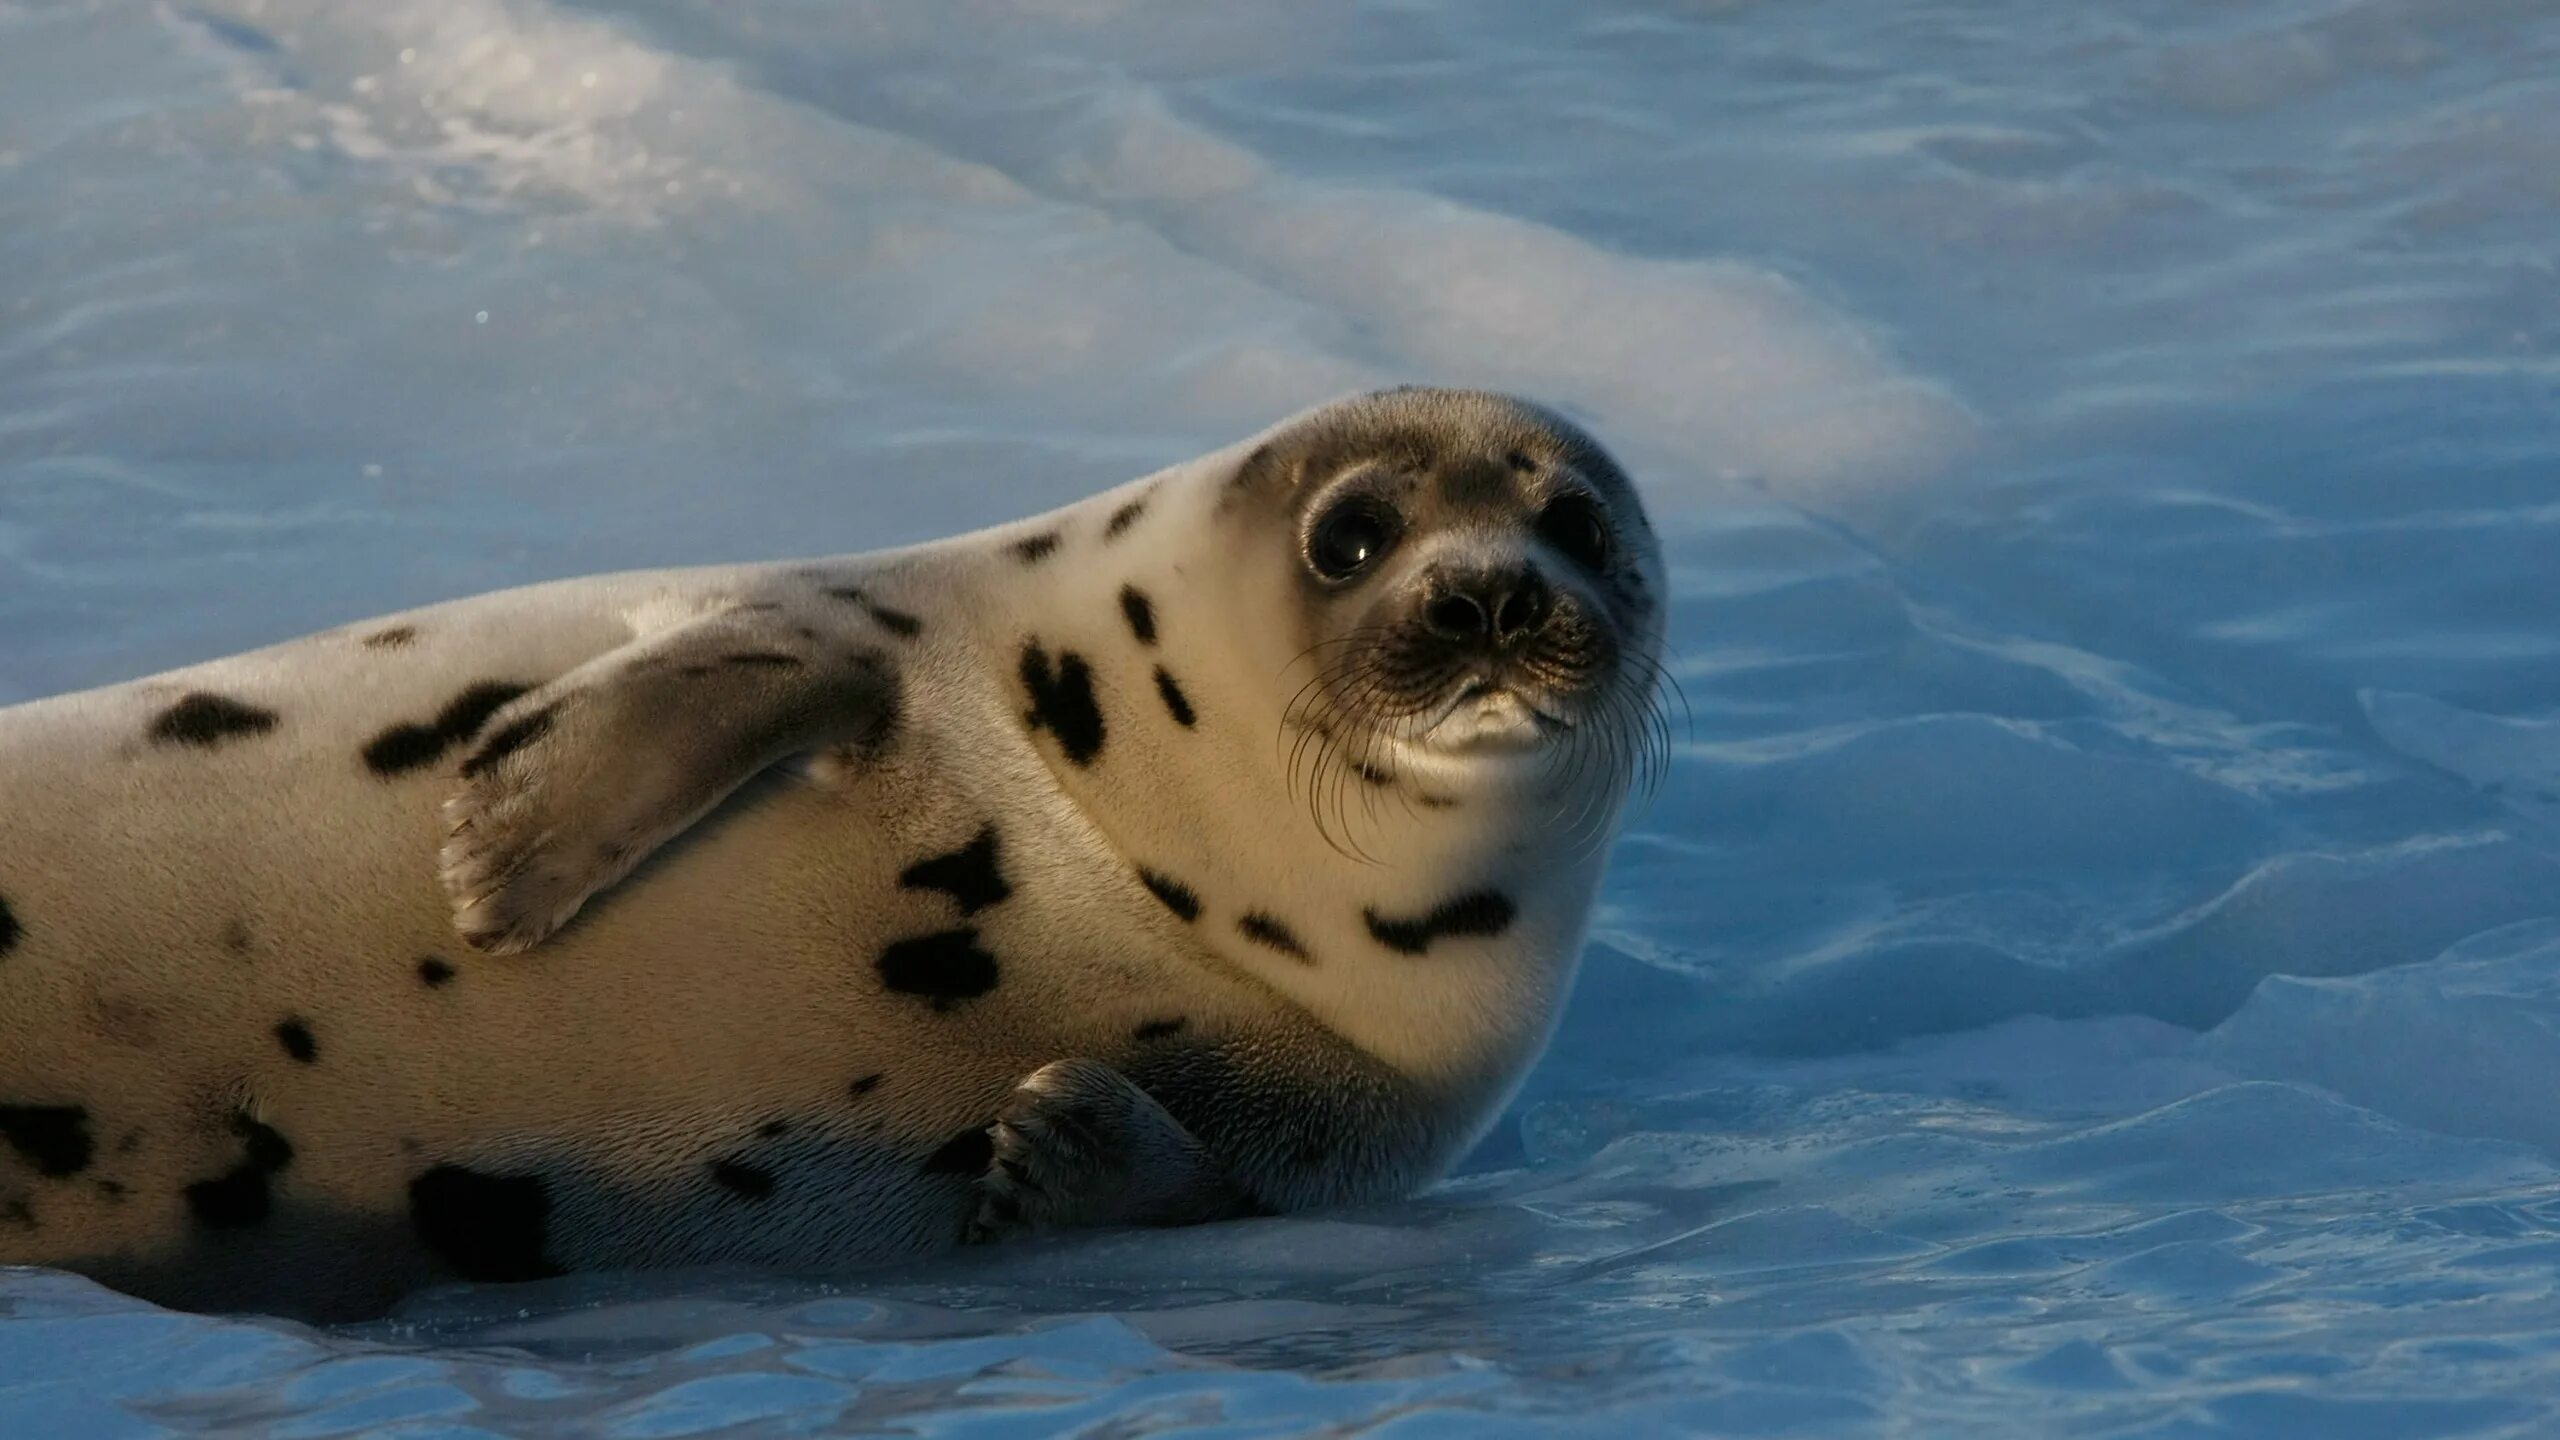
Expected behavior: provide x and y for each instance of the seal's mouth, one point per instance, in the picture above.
(1561, 714)
(1570, 715)
(1411, 685)
(1486, 714)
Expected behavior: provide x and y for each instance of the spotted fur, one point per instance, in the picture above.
(1177, 897)
(1272, 933)
(945, 967)
(294, 1034)
(1479, 914)
(409, 746)
(52, 1138)
(205, 720)
(243, 1195)
(1140, 613)
(969, 875)
(771, 829)
(1062, 701)
(1176, 704)
(1124, 517)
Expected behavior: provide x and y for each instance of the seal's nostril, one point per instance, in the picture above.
(1457, 616)
(1523, 610)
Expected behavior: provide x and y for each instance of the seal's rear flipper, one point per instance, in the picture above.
(577, 782)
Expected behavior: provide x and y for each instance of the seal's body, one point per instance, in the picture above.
(1219, 844)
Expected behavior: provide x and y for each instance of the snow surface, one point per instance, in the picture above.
(2093, 969)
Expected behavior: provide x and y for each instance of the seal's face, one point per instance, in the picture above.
(1477, 582)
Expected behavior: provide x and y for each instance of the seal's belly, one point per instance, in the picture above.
(243, 1060)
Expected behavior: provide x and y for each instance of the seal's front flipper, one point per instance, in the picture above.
(1078, 1144)
(578, 781)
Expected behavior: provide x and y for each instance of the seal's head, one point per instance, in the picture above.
(1474, 586)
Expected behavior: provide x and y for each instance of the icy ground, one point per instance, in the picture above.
(2095, 968)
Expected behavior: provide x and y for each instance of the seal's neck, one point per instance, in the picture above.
(1430, 914)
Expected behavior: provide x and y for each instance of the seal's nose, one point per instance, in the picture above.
(1494, 608)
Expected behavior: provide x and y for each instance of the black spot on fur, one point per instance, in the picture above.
(1158, 1029)
(488, 1228)
(464, 714)
(1176, 703)
(1124, 517)
(945, 967)
(866, 1084)
(773, 1129)
(896, 622)
(19, 1213)
(267, 1149)
(391, 639)
(206, 719)
(1518, 461)
(407, 747)
(968, 874)
(113, 1189)
(770, 659)
(517, 735)
(755, 607)
(236, 937)
(745, 1181)
(230, 1201)
(241, 1196)
(1036, 548)
(434, 971)
(402, 748)
(294, 1034)
(1177, 897)
(1267, 930)
(1478, 912)
(52, 1138)
(9, 931)
(965, 1154)
(1062, 701)
(1141, 612)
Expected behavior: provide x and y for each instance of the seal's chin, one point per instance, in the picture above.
(1483, 718)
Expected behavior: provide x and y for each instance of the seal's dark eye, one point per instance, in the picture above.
(1572, 524)
(1349, 536)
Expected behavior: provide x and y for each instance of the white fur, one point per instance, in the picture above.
(176, 903)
